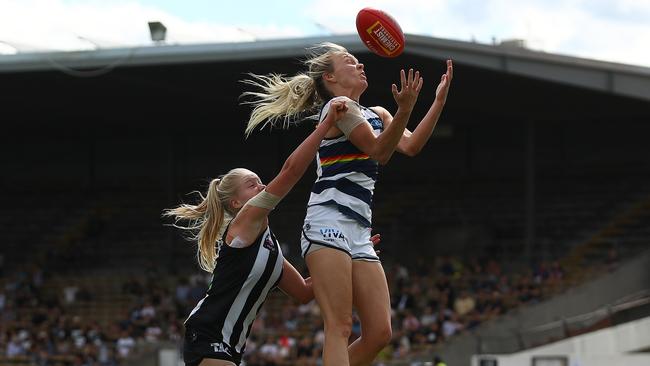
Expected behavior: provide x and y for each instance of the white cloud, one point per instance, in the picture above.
(60, 25)
(603, 29)
(615, 30)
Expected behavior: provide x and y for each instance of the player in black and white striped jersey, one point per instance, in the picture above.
(247, 263)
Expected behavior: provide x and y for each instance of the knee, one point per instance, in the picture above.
(381, 338)
(377, 338)
(339, 327)
(386, 336)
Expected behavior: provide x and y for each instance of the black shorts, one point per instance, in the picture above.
(197, 347)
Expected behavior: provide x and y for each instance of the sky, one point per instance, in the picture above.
(610, 30)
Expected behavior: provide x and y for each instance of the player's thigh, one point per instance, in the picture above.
(331, 275)
(371, 297)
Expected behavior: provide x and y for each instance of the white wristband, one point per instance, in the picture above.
(265, 200)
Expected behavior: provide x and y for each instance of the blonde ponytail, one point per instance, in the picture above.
(205, 221)
(285, 99)
(281, 99)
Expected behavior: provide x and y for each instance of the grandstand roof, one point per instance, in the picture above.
(614, 78)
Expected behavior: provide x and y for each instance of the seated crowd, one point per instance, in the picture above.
(431, 302)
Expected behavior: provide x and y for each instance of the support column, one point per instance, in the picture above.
(530, 192)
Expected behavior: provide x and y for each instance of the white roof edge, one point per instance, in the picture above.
(628, 80)
(609, 77)
(166, 54)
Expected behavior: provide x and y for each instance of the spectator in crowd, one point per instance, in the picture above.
(464, 303)
(125, 344)
(437, 361)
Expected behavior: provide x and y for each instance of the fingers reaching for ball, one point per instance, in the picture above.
(411, 84)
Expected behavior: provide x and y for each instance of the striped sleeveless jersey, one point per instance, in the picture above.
(346, 176)
(242, 279)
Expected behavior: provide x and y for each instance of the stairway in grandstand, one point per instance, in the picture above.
(603, 299)
(616, 335)
(625, 235)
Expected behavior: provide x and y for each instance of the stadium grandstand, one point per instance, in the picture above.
(519, 236)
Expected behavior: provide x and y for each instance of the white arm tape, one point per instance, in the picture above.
(352, 117)
(265, 200)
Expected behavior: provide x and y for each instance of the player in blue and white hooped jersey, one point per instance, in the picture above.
(336, 233)
(339, 209)
(247, 263)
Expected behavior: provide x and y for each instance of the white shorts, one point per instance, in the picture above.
(326, 227)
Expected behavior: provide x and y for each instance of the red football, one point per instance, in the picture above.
(380, 32)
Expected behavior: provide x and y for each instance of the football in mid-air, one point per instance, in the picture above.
(380, 32)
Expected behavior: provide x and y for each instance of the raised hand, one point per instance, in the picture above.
(445, 82)
(337, 110)
(410, 89)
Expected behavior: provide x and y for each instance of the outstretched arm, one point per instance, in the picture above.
(252, 219)
(411, 143)
(382, 147)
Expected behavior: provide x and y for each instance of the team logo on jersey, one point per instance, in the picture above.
(268, 243)
(376, 123)
(331, 234)
(220, 347)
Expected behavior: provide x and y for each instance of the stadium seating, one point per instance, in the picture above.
(106, 244)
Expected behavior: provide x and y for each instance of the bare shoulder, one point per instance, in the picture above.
(383, 113)
(248, 224)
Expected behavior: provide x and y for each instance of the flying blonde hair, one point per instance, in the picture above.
(205, 221)
(284, 99)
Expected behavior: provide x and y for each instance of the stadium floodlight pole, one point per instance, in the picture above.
(158, 32)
